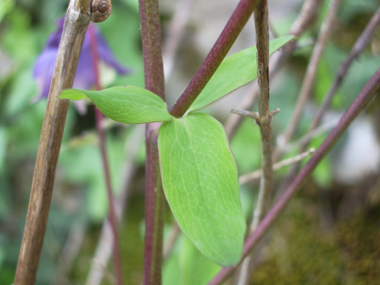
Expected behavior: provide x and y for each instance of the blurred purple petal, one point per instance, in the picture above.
(43, 70)
(85, 76)
(107, 56)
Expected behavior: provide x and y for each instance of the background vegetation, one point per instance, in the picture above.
(329, 234)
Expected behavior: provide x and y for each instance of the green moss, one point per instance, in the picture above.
(301, 253)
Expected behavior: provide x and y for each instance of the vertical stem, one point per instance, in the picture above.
(151, 46)
(265, 116)
(154, 211)
(264, 121)
(102, 145)
(76, 22)
(154, 81)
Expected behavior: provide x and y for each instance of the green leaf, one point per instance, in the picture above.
(234, 72)
(196, 268)
(129, 105)
(200, 182)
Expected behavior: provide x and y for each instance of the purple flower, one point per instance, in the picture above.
(85, 76)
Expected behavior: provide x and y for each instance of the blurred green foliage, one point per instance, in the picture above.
(302, 254)
(79, 194)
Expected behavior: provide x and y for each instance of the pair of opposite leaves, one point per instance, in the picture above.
(198, 170)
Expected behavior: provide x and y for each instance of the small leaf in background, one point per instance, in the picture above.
(129, 105)
(235, 71)
(200, 182)
(196, 268)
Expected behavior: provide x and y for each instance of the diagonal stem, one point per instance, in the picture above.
(218, 52)
(311, 70)
(74, 29)
(369, 91)
(259, 173)
(358, 47)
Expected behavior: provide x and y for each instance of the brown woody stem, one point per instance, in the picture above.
(74, 29)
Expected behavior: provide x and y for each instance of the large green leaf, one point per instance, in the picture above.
(195, 267)
(200, 182)
(129, 105)
(235, 71)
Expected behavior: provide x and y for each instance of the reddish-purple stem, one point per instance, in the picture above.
(154, 210)
(369, 90)
(102, 145)
(218, 52)
(154, 197)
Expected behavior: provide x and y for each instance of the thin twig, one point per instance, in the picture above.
(307, 15)
(76, 22)
(358, 47)
(259, 173)
(175, 33)
(69, 252)
(309, 136)
(171, 240)
(102, 145)
(311, 71)
(364, 97)
(108, 275)
(104, 246)
(218, 52)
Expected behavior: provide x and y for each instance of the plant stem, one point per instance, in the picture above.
(102, 145)
(307, 15)
(358, 47)
(155, 201)
(154, 211)
(151, 46)
(218, 52)
(259, 173)
(172, 238)
(74, 30)
(175, 33)
(104, 246)
(364, 97)
(264, 121)
(265, 116)
(311, 70)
